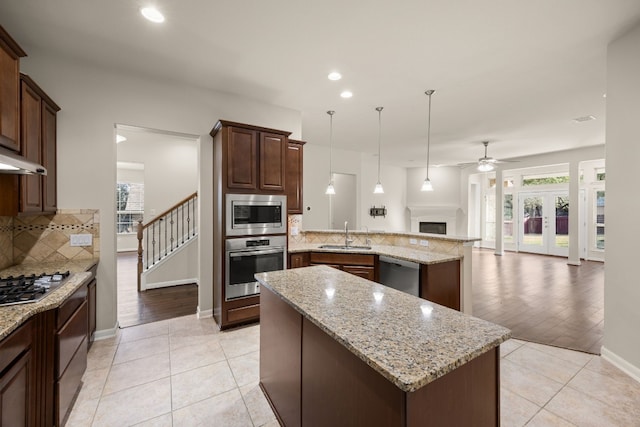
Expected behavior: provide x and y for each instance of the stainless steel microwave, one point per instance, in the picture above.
(256, 214)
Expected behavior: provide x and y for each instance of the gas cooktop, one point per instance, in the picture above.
(26, 289)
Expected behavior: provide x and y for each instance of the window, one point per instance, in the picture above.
(508, 219)
(600, 174)
(599, 223)
(545, 179)
(490, 216)
(130, 206)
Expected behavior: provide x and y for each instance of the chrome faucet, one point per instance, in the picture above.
(367, 240)
(347, 241)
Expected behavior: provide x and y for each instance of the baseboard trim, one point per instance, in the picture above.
(169, 283)
(104, 334)
(204, 314)
(620, 363)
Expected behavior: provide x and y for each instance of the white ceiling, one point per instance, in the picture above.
(512, 72)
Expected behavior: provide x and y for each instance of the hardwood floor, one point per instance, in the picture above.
(136, 308)
(541, 298)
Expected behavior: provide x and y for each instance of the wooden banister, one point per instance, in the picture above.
(168, 211)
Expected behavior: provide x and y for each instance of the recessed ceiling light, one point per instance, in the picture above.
(584, 119)
(604, 95)
(346, 94)
(120, 138)
(334, 76)
(152, 14)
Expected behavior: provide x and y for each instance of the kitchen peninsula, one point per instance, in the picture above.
(337, 349)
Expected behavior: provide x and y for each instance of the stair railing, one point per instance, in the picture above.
(165, 233)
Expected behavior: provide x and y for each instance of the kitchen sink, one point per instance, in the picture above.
(343, 247)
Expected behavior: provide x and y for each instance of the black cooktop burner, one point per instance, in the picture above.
(25, 289)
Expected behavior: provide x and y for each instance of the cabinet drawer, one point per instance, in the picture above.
(340, 258)
(71, 336)
(17, 342)
(69, 382)
(70, 305)
(243, 313)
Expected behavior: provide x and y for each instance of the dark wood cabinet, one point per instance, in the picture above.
(10, 54)
(91, 297)
(362, 265)
(253, 158)
(440, 283)
(300, 259)
(294, 176)
(17, 379)
(38, 194)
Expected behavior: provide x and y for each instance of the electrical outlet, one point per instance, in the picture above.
(81, 240)
(424, 243)
(413, 241)
(294, 231)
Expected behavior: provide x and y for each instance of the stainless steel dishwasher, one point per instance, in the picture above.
(401, 275)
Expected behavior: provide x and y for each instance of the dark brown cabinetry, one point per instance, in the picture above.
(38, 125)
(362, 265)
(440, 283)
(294, 176)
(297, 260)
(253, 158)
(17, 378)
(10, 54)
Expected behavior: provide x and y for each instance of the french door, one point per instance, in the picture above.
(544, 223)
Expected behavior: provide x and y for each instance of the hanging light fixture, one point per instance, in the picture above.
(426, 185)
(330, 189)
(379, 189)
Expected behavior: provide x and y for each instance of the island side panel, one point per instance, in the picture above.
(469, 395)
(339, 389)
(280, 357)
(440, 283)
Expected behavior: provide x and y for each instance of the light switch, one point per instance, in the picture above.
(81, 240)
(424, 243)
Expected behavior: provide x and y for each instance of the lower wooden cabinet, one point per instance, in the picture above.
(440, 283)
(17, 378)
(362, 265)
(297, 260)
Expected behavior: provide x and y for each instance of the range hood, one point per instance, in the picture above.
(13, 163)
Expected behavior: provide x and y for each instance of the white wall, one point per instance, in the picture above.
(179, 269)
(93, 100)
(394, 182)
(622, 290)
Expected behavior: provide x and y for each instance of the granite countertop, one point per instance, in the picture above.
(408, 340)
(399, 252)
(12, 316)
(460, 239)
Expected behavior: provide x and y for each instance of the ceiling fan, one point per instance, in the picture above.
(485, 163)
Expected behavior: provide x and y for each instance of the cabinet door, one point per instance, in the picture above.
(294, 178)
(365, 272)
(299, 260)
(15, 401)
(440, 283)
(31, 114)
(272, 161)
(9, 99)
(242, 159)
(49, 182)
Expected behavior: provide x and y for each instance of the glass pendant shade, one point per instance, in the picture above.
(485, 167)
(426, 185)
(330, 190)
(378, 189)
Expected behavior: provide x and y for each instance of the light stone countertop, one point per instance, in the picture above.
(399, 252)
(408, 340)
(459, 239)
(12, 316)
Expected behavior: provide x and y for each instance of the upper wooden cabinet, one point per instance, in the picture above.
(294, 177)
(253, 159)
(10, 54)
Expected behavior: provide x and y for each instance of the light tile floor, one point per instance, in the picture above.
(184, 372)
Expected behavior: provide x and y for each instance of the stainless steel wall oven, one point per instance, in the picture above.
(248, 256)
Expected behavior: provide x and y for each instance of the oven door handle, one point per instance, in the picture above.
(234, 254)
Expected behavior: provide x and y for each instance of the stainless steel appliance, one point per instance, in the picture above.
(248, 256)
(26, 289)
(401, 275)
(255, 214)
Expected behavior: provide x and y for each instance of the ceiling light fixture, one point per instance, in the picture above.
(379, 189)
(346, 94)
(426, 185)
(330, 189)
(120, 138)
(334, 76)
(485, 164)
(152, 14)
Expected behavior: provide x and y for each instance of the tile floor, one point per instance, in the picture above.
(184, 372)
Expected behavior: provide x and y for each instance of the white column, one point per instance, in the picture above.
(574, 213)
(499, 213)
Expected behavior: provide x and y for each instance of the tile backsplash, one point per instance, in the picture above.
(39, 238)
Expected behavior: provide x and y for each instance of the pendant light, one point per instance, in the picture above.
(426, 185)
(330, 189)
(379, 189)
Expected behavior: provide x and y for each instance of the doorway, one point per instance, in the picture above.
(544, 223)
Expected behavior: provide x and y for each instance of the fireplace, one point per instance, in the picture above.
(433, 227)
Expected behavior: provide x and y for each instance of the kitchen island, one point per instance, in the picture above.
(336, 349)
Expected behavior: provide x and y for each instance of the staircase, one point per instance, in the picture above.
(166, 233)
